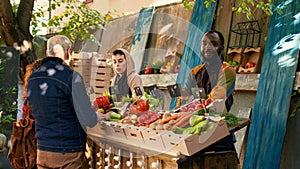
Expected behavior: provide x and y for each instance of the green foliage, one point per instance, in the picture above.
(247, 7)
(7, 105)
(187, 4)
(158, 64)
(76, 21)
(208, 2)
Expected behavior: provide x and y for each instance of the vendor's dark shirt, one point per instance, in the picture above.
(207, 81)
(122, 88)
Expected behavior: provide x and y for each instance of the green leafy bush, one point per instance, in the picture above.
(8, 105)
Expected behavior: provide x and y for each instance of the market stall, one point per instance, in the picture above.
(124, 144)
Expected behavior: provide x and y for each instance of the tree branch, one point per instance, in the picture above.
(24, 16)
(7, 23)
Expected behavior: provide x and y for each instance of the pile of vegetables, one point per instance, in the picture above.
(184, 123)
(139, 106)
(140, 114)
(197, 105)
(102, 104)
(193, 118)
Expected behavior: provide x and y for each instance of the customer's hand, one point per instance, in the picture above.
(102, 116)
(107, 115)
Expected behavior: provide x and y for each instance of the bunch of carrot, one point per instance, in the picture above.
(179, 119)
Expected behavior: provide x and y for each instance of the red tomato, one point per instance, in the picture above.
(102, 102)
(249, 65)
(139, 106)
(208, 101)
(148, 70)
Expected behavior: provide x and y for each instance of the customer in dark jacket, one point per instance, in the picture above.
(61, 108)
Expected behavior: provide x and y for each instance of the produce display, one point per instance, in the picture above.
(140, 123)
(103, 103)
(194, 118)
(139, 106)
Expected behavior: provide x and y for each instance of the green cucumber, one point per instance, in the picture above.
(115, 115)
(178, 130)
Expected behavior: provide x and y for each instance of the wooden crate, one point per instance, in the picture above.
(101, 73)
(253, 55)
(82, 64)
(235, 55)
(94, 69)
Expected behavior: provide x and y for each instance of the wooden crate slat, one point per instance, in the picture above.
(82, 61)
(102, 83)
(100, 77)
(81, 69)
(99, 90)
(102, 70)
(103, 64)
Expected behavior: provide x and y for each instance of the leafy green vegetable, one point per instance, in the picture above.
(154, 103)
(230, 118)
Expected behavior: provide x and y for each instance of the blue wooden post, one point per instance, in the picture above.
(272, 102)
(140, 37)
(200, 22)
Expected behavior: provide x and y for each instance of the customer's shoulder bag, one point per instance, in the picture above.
(22, 152)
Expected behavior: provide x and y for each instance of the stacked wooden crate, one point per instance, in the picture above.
(95, 71)
(101, 73)
(82, 64)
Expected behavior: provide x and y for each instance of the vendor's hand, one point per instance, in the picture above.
(218, 92)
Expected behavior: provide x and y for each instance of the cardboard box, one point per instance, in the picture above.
(107, 128)
(134, 134)
(192, 143)
(153, 139)
(172, 140)
(118, 130)
(253, 55)
(96, 132)
(165, 141)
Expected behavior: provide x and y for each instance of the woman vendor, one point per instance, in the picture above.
(126, 81)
